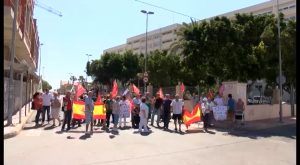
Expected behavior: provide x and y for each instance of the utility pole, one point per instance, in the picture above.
(280, 67)
(11, 105)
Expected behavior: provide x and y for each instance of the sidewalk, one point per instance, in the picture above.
(258, 124)
(13, 130)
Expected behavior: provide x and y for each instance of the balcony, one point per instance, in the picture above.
(26, 45)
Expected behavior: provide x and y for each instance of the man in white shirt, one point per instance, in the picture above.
(219, 100)
(177, 106)
(47, 97)
(144, 111)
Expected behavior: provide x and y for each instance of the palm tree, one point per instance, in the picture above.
(73, 78)
(81, 79)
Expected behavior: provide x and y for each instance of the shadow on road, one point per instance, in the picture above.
(31, 127)
(85, 136)
(49, 128)
(287, 131)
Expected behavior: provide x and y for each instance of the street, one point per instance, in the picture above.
(45, 146)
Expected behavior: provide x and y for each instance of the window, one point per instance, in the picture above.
(293, 6)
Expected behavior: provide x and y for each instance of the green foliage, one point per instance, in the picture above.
(46, 85)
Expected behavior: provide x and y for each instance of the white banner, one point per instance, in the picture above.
(220, 112)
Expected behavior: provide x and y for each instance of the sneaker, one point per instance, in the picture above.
(175, 129)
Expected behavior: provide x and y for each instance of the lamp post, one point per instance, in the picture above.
(88, 55)
(147, 13)
(280, 67)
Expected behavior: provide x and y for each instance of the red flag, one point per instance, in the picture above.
(99, 100)
(182, 88)
(160, 92)
(80, 90)
(135, 89)
(131, 104)
(210, 94)
(221, 89)
(114, 91)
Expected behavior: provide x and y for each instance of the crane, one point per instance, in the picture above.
(49, 9)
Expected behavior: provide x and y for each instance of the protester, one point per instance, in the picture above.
(219, 101)
(167, 111)
(211, 118)
(157, 110)
(135, 118)
(144, 110)
(240, 108)
(38, 106)
(149, 104)
(47, 97)
(108, 106)
(116, 112)
(177, 106)
(205, 112)
(231, 108)
(124, 110)
(55, 108)
(89, 108)
(67, 103)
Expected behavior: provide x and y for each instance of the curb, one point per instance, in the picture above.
(18, 127)
(248, 127)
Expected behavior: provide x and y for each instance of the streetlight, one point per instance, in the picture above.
(280, 68)
(88, 55)
(147, 13)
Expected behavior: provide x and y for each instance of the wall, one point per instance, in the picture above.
(17, 101)
(265, 111)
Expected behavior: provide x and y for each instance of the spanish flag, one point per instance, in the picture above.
(78, 110)
(99, 111)
(194, 116)
(79, 106)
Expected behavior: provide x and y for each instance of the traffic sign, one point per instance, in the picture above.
(283, 79)
(145, 79)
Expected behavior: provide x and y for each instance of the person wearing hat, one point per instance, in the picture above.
(205, 112)
(55, 108)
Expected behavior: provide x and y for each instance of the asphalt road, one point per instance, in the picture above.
(46, 145)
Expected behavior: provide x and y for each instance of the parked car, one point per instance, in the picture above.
(259, 100)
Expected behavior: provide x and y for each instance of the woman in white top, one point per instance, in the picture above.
(124, 110)
(144, 111)
(55, 108)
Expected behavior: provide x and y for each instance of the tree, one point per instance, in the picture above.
(46, 85)
(81, 79)
(73, 78)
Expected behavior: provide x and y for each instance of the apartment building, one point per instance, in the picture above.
(162, 38)
(287, 7)
(25, 80)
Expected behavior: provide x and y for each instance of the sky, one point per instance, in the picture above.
(91, 26)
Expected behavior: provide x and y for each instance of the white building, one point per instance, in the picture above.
(162, 38)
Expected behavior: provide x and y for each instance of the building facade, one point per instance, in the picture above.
(163, 38)
(25, 80)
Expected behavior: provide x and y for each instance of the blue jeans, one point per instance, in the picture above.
(116, 119)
